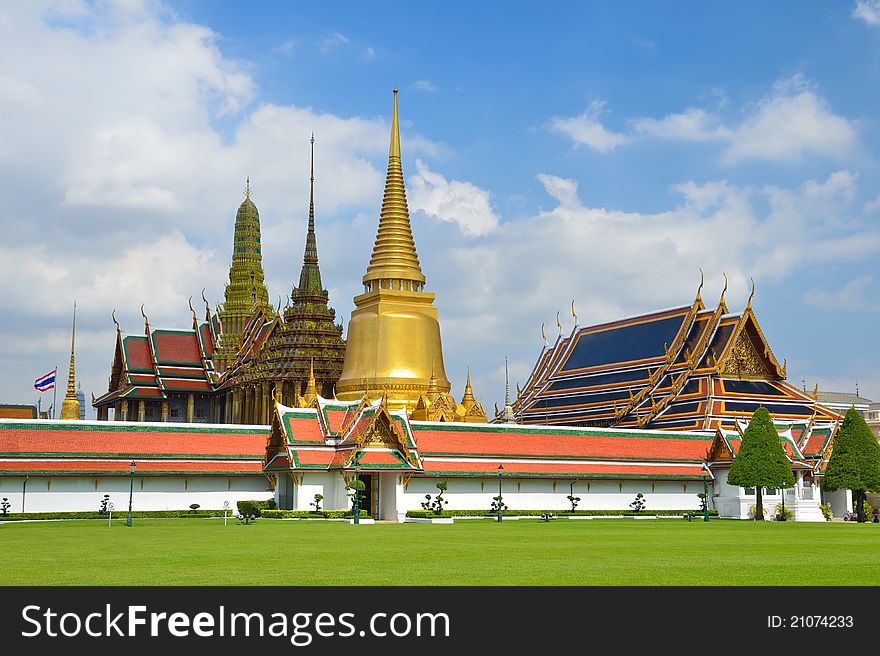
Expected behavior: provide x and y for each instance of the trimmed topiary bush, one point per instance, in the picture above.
(255, 507)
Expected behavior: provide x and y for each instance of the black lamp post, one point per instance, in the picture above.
(357, 494)
(131, 469)
(23, 491)
(500, 471)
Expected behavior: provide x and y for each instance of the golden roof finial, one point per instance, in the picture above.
(394, 252)
(723, 291)
(752, 295)
(70, 405)
(558, 324)
(543, 336)
(700, 288)
(574, 314)
(146, 321)
(113, 316)
(247, 188)
(195, 318)
(207, 306)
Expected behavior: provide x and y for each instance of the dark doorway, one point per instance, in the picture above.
(367, 500)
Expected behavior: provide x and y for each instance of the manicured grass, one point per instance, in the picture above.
(470, 552)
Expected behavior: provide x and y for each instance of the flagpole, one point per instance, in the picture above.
(55, 392)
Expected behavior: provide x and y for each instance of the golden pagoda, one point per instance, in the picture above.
(70, 405)
(393, 344)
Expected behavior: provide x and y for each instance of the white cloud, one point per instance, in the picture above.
(788, 124)
(332, 42)
(370, 53)
(453, 201)
(858, 295)
(587, 130)
(867, 11)
(693, 124)
(125, 142)
(425, 85)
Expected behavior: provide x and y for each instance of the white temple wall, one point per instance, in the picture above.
(81, 493)
(551, 494)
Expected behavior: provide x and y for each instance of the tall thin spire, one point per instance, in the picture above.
(394, 253)
(310, 276)
(70, 405)
(506, 384)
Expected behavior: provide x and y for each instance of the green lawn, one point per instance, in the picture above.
(470, 552)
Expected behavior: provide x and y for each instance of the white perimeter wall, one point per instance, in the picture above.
(70, 493)
(519, 494)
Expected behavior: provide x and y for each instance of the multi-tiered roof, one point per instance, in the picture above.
(686, 368)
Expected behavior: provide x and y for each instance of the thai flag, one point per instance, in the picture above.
(46, 382)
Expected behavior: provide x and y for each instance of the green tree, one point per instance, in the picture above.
(855, 461)
(761, 461)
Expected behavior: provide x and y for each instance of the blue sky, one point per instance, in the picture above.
(599, 152)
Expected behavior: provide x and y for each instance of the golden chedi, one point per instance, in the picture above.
(70, 405)
(393, 345)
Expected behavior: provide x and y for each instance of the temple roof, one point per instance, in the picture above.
(302, 439)
(107, 448)
(149, 366)
(685, 368)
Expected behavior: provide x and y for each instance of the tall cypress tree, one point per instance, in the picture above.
(761, 461)
(855, 461)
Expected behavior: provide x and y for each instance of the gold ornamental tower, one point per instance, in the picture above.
(70, 405)
(393, 342)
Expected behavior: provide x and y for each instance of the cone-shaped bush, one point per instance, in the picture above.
(855, 461)
(761, 460)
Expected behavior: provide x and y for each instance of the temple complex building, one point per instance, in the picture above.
(291, 356)
(687, 368)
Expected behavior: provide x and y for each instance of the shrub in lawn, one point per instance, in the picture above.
(104, 506)
(826, 512)
(498, 505)
(4, 506)
(255, 507)
(702, 496)
(573, 500)
(437, 504)
(193, 507)
(638, 503)
(753, 511)
(317, 502)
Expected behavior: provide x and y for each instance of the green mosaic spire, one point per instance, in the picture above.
(246, 290)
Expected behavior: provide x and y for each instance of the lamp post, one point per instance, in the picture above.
(500, 471)
(131, 469)
(23, 491)
(357, 494)
(705, 498)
